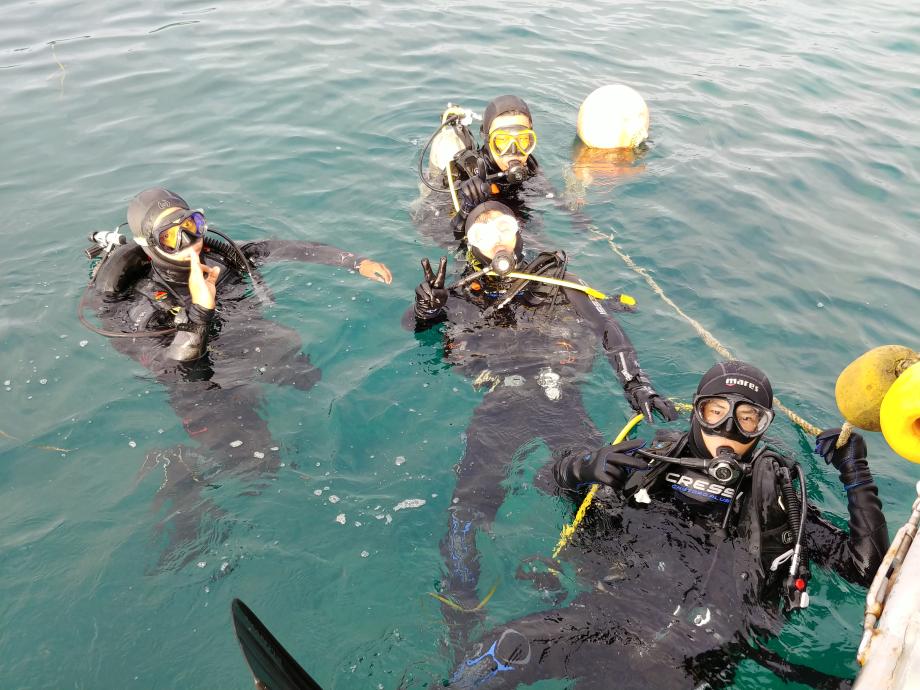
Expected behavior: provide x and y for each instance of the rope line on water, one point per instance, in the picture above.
(708, 337)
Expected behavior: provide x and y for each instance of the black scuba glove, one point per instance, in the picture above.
(609, 465)
(472, 192)
(430, 295)
(644, 399)
(850, 460)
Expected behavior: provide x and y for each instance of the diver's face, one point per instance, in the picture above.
(510, 122)
(494, 235)
(713, 443)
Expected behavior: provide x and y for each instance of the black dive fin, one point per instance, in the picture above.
(270, 663)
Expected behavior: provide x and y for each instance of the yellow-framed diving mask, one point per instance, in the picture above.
(504, 140)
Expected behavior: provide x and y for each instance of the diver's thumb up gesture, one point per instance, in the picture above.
(430, 295)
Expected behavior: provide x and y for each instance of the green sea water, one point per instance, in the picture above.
(777, 204)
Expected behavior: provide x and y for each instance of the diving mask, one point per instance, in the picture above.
(727, 414)
(505, 140)
(189, 224)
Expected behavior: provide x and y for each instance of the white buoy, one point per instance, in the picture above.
(613, 117)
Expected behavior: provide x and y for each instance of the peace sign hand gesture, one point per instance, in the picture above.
(430, 295)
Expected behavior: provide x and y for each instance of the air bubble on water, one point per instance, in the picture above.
(258, 454)
(334, 499)
(364, 554)
(820, 305)
(202, 564)
(340, 518)
(132, 444)
(318, 492)
(43, 381)
(84, 343)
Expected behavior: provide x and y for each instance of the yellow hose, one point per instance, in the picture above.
(453, 192)
(569, 530)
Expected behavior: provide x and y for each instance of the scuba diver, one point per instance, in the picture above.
(528, 339)
(502, 168)
(176, 301)
(693, 548)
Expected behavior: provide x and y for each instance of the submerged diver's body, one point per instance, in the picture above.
(214, 351)
(530, 357)
(684, 570)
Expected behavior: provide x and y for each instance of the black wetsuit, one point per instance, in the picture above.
(529, 357)
(212, 369)
(434, 213)
(671, 600)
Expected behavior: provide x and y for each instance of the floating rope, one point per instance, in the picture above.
(709, 338)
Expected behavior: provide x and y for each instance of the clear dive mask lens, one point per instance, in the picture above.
(520, 140)
(191, 224)
(713, 412)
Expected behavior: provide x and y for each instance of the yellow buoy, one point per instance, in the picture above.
(862, 386)
(613, 117)
(900, 414)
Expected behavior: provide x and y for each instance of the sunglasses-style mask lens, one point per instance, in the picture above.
(192, 226)
(512, 140)
(751, 420)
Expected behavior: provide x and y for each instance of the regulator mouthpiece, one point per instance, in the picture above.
(725, 466)
(516, 172)
(503, 262)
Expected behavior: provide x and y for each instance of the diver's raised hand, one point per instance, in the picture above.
(850, 459)
(202, 282)
(645, 400)
(374, 270)
(473, 192)
(431, 295)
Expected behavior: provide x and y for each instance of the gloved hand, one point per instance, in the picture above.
(430, 295)
(608, 465)
(471, 193)
(849, 460)
(644, 399)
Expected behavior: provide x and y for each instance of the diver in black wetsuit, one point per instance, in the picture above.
(528, 344)
(502, 168)
(690, 548)
(176, 300)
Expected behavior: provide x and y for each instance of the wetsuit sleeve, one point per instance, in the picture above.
(295, 250)
(857, 555)
(619, 349)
